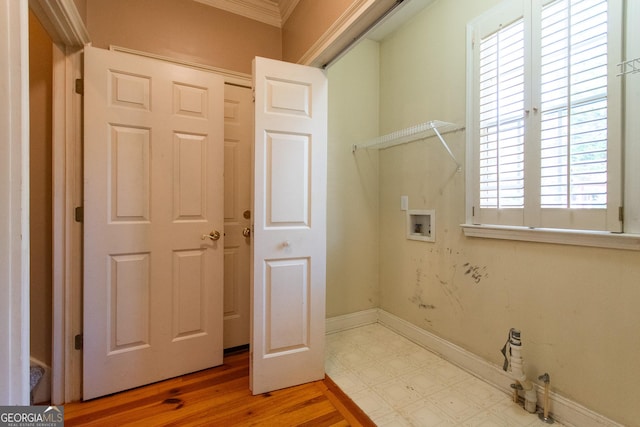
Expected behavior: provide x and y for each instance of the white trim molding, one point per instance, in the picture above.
(14, 203)
(631, 122)
(264, 11)
(286, 9)
(599, 239)
(352, 320)
(349, 27)
(66, 361)
(62, 21)
(562, 409)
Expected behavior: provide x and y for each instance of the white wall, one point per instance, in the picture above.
(577, 307)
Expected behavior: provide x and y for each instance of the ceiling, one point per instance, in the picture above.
(272, 12)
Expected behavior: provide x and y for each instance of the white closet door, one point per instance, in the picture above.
(153, 175)
(288, 277)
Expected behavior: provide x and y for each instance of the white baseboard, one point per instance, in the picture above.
(352, 320)
(562, 409)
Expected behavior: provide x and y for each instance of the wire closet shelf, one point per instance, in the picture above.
(413, 133)
(629, 67)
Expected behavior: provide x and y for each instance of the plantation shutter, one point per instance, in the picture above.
(580, 163)
(499, 120)
(574, 105)
(546, 121)
(502, 118)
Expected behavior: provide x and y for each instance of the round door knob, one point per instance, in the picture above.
(214, 235)
(246, 232)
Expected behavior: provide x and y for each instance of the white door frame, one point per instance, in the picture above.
(64, 25)
(14, 197)
(66, 362)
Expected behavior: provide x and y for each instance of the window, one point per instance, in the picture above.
(544, 118)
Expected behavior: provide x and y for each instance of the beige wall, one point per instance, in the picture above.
(352, 187)
(307, 23)
(182, 29)
(81, 5)
(577, 307)
(40, 81)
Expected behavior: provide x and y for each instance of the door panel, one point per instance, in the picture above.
(287, 178)
(153, 192)
(129, 174)
(288, 268)
(129, 301)
(238, 138)
(287, 287)
(189, 178)
(189, 292)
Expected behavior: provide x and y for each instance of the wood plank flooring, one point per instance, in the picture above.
(219, 397)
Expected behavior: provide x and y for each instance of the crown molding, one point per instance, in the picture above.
(346, 31)
(62, 21)
(265, 11)
(286, 8)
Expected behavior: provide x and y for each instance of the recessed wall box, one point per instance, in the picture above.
(421, 225)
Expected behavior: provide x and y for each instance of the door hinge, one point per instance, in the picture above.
(79, 214)
(80, 86)
(78, 341)
(621, 213)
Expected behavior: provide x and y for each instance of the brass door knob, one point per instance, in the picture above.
(214, 235)
(246, 232)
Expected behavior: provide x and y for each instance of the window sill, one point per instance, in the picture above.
(599, 239)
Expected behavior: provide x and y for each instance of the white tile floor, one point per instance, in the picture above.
(399, 383)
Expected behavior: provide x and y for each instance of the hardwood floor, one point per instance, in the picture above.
(219, 397)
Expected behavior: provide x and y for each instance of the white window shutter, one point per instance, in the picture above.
(574, 105)
(502, 118)
(545, 128)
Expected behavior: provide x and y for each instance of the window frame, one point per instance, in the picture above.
(532, 218)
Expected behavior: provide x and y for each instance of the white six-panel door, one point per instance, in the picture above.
(288, 274)
(153, 185)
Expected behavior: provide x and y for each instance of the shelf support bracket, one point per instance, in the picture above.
(446, 147)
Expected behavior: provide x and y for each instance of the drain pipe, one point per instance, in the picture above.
(513, 364)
